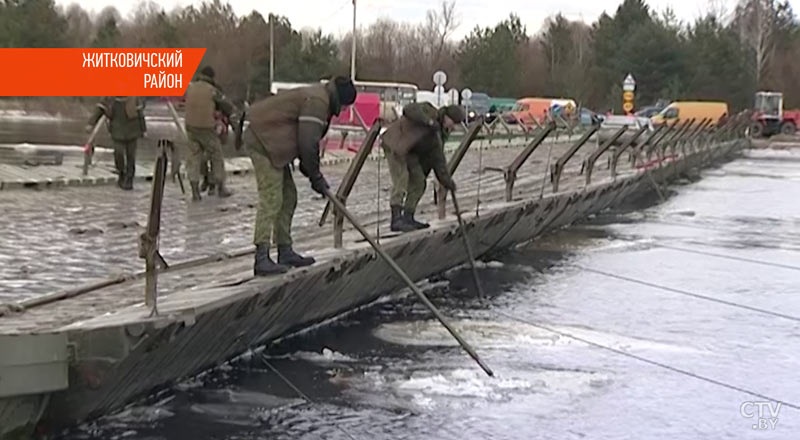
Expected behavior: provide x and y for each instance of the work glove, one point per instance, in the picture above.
(320, 185)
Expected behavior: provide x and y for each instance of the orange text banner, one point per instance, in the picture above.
(97, 72)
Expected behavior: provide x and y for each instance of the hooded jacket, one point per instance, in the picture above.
(419, 131)
(291, 124)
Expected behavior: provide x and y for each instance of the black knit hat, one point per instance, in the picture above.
(454, 112)
(208, 71)
(345, 90)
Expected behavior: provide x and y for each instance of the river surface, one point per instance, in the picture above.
(391, 372)
(46, 131)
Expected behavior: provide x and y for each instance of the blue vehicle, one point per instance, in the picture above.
(587, 117)
(478, 106)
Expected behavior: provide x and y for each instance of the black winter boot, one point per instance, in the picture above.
(127, 182)
(264, 266)
(399, 222)
(287, 256)
(195, 191)
(222, 192)
(410, 220)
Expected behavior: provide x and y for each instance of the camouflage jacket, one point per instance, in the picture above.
(203, 98)
(419, 132)
(125, 117)
(291, 123)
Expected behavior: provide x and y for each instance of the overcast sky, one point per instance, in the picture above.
(335, 16)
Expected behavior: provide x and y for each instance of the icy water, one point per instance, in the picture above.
(391, 372)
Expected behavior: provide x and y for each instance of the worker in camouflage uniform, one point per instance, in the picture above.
(221, 123)
(126, 125)
(284, 127)
(203, 98)
(413, 145)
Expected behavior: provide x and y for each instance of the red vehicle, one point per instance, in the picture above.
(368, 106)
(770, 118)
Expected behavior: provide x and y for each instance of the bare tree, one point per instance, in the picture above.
(407, 52)
(79, 26)
(440, 25)
(759, 23)
(718, 9)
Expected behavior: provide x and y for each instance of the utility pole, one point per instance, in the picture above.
(353, 48)
(271, 51)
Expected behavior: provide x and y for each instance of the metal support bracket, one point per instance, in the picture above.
(588, 164)
(510, 172)
(558, 168)
(149, 240)
(455, 161)
(567, 125)
(662, 150)
(664, 135)
(693, 135)
(687, 127)
(348, 181)
(631, 140)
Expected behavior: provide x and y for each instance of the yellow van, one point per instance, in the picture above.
(685, 110)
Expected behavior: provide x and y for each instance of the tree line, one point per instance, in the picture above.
(724, 55)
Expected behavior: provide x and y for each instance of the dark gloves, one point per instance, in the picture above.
(318, 183)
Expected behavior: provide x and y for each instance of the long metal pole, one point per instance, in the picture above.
(177, 120)
(271, 50)
(88, 147)
(353, 46)
(467, 246)
(176, 163)
(390, 261)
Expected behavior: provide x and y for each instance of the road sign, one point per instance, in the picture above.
(466, 94)
(453, 94)
(627, 96)
(629, 84)
(439, 78)
(628, 106)
(439, 92)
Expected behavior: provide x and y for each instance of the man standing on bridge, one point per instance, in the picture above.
(126, 125)
(414, 144)
(284, 127)
(202, 99)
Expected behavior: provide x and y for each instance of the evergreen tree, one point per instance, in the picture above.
(489, 58)
(108, 34)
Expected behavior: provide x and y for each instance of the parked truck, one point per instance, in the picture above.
(769, 117)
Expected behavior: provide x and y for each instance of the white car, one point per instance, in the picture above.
(612, 123)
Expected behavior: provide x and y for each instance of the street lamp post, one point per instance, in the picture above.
(353, 48)
(271, 51)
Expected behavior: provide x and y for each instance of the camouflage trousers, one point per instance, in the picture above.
(125, 157)
(409, 179)
(277, 200)
(204, 145)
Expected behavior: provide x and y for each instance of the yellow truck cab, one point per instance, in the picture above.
(685, 110)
